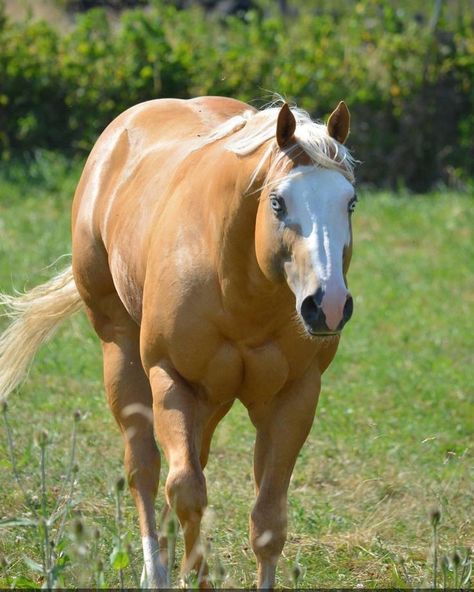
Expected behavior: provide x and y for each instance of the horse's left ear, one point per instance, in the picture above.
(286, 126)
(339, 123)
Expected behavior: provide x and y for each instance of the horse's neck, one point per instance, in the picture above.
(243, 285)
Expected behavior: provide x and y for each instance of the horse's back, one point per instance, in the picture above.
(169, 119)
(126, 178)
(162, 130)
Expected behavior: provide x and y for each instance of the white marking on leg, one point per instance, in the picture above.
(154, 575)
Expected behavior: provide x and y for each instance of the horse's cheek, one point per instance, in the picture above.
(269, 249)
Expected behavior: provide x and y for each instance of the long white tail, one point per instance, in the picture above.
(35, 317)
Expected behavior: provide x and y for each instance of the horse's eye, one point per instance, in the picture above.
(277, 204)
(352, 205)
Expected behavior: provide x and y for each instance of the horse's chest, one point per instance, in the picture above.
(247, 373)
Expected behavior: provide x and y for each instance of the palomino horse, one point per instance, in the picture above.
(211, 244)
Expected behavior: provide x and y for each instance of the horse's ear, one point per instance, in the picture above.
(339, 123)
(286, 126)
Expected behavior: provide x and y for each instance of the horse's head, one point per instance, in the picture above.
(303, 233)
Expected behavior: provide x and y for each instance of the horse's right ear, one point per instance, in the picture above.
(339, 123)
(286, 126)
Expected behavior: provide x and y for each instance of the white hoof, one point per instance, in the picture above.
(154, 574)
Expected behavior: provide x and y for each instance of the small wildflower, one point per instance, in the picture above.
(120, 484)
(435, 517)
(41, 438)
(296, 573)
(77, 415)
(457, 559)
(264, 538)
(78, 528)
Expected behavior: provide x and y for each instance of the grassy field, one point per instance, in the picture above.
(392, 438)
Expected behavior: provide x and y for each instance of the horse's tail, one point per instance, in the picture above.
(35, 316)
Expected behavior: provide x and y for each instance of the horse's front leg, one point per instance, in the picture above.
(179, 417)
(166, 544)
(282, 428)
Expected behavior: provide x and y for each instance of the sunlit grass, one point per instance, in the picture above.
(393, 434)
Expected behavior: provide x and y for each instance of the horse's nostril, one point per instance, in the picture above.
(309, 308)
(348, 309)
(318, 297)
(312, 312)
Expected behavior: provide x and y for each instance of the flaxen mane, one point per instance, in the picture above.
(251, 130)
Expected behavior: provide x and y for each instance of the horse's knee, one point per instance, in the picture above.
(186, 494)
(142, 464)
(268, 524)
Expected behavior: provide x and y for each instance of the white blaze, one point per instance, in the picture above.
(317, 202)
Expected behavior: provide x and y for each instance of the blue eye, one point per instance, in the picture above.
(277, 204)
(352, 204)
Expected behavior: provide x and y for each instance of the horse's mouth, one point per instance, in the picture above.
(315, 334)
(322, 334)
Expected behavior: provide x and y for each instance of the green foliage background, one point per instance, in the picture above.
(407, 80)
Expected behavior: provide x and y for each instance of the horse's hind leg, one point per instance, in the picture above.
(129, 396)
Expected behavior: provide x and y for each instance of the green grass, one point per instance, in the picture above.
(393, 434)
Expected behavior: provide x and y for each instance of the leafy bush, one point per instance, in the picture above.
(409, 84)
